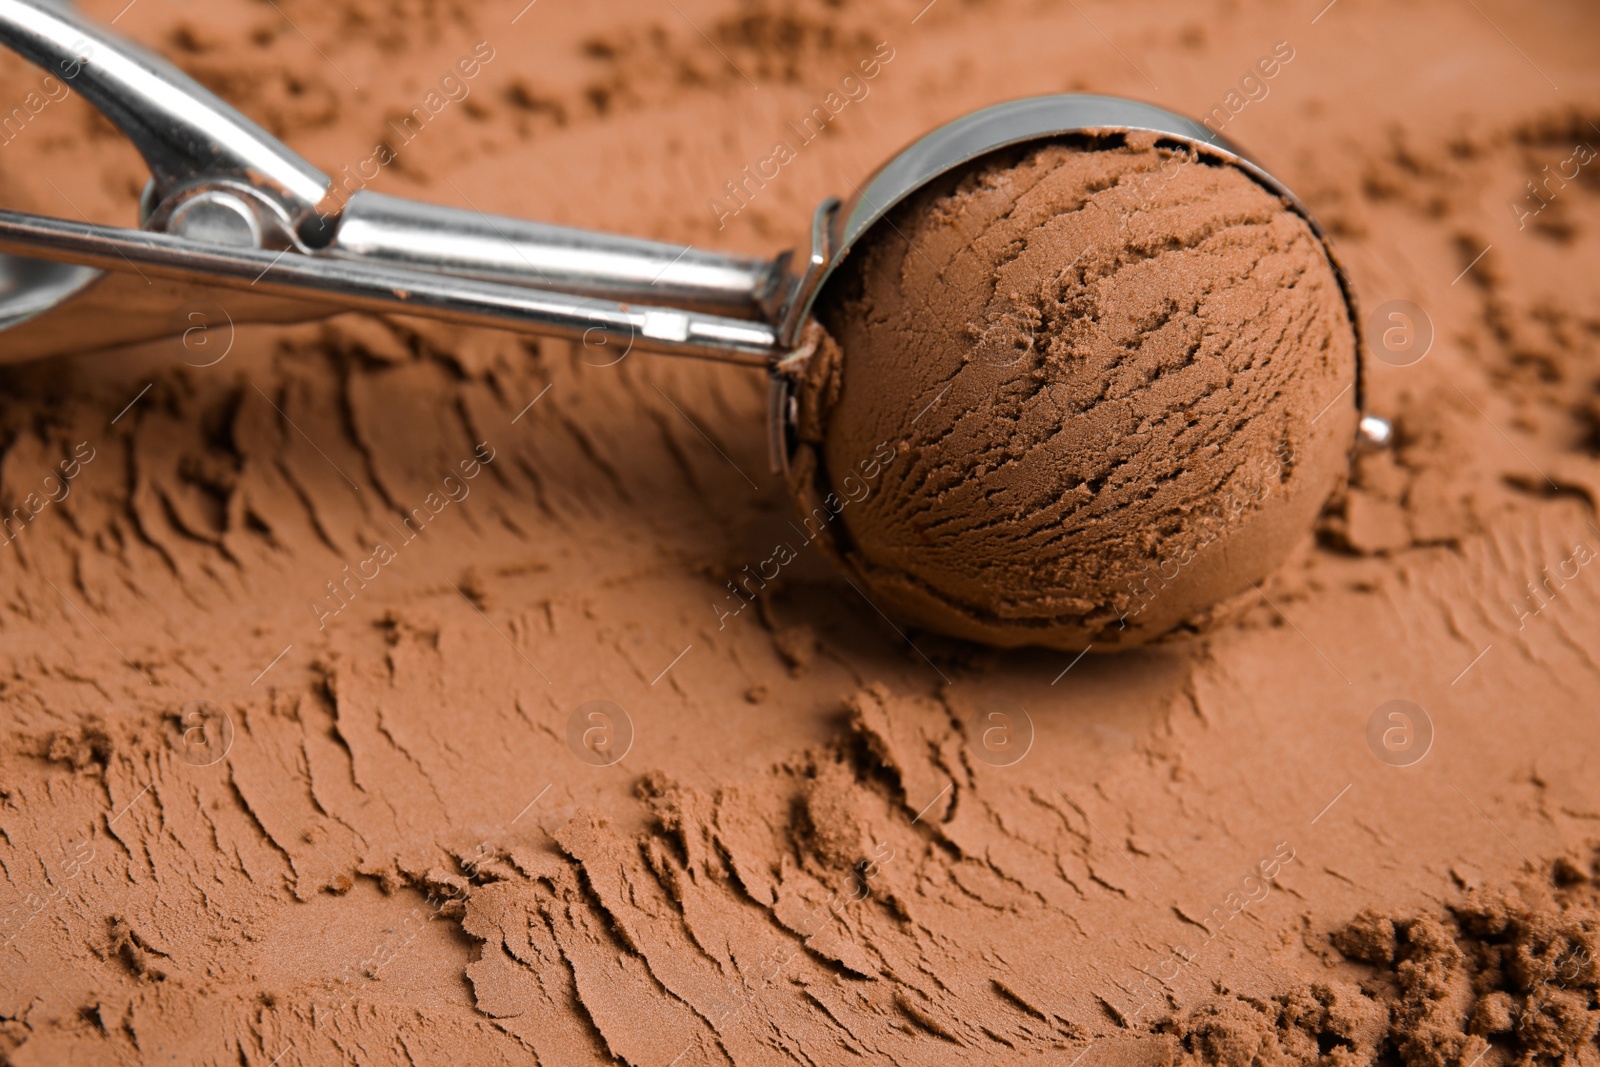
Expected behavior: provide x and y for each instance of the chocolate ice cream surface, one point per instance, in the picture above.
(1115, 377)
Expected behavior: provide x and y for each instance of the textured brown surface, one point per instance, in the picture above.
(1118, 382)
(822, 846)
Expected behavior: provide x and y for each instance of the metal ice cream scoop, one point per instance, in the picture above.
(230, 211)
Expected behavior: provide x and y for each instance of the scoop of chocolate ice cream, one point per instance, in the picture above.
(1084, 393)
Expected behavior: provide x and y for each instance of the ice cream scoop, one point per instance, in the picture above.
(1075, 340)
(1101, 374)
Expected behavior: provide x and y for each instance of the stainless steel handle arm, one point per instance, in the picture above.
(225, 184)
(358, 285)
(185, 133)
(376, 228)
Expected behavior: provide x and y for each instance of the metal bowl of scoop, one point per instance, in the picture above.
(958, 525)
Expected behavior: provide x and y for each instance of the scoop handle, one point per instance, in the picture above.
(185, 133)
(232, 208)
(156, 278)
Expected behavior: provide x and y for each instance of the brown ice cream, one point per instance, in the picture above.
(269, 796)
(1116, 382)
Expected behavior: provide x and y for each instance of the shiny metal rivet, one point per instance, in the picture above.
(217, 218)
(1375, 433)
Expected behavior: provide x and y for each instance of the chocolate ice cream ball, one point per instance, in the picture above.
(1084, 393)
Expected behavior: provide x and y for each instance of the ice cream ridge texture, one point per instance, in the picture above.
(1083, 394)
